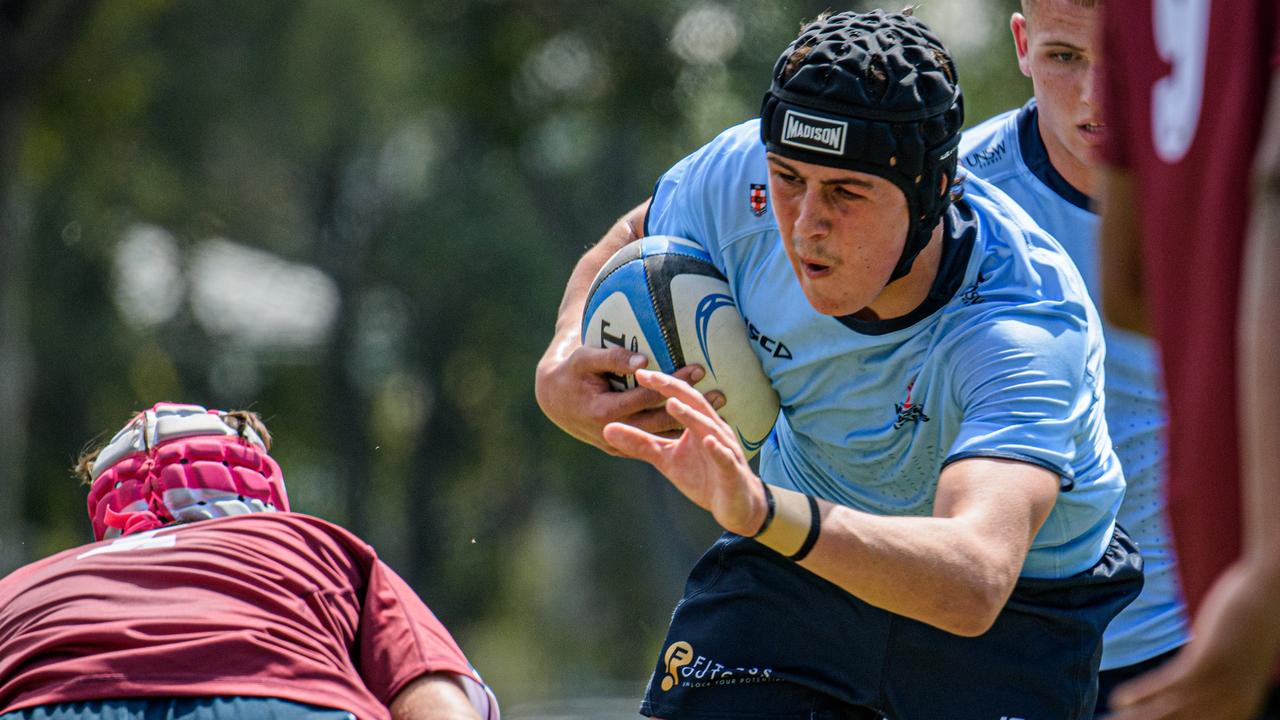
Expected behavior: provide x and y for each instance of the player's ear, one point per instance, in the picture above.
(1021, 42)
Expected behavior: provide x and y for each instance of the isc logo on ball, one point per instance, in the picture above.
(662, 297)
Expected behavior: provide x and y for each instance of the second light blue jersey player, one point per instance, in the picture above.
(1007, 151)
(1004, 360)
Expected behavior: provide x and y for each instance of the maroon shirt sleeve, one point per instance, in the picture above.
(400, 639)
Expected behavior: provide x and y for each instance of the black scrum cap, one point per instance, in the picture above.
(873, 92)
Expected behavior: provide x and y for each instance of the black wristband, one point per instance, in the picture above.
(815, 527)
(771, 508)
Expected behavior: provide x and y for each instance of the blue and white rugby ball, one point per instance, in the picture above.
(662, 297)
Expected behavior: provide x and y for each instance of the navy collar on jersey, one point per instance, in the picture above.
(959, 231)
(1036, 157)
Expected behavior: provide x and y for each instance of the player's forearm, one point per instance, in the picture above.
(1119, 243)
(437, 696)
(954, 570)
(1259, 366)
(940, 571)
(1259, 402)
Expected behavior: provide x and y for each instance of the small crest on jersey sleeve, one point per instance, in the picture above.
(759, 199)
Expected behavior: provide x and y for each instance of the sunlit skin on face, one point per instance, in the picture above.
(1056, 49)
(844, 232)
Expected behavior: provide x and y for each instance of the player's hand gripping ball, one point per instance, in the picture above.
(663, 298)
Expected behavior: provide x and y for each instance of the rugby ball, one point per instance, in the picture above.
(662, 297)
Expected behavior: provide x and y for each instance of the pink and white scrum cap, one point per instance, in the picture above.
(181, 463)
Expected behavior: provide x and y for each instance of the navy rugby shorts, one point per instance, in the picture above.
(757, 637)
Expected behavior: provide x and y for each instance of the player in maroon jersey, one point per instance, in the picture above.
(1191, 234)
(204, 597)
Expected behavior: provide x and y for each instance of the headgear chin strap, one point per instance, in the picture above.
(181, 463)
(875, 93)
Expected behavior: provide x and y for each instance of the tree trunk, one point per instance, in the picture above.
(34, 34)
(341, 253)
(15, 344)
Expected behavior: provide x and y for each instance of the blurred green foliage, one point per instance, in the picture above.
(422, 177)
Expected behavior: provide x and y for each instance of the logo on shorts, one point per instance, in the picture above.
(908, 412)
(759, 199)
(676, 657)
(811, 132)
(681, 666)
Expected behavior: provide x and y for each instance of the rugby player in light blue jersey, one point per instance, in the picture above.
(1042, 156)
(932, 533)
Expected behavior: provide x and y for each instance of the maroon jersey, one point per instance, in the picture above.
(1186, 86)
(269, 604)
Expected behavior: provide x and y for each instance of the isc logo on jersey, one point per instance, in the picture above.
(662, 297)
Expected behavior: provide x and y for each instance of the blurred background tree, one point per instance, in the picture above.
(357, 218)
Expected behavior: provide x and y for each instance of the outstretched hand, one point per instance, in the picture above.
(1222, 674)
(705, 462)
(574, 392)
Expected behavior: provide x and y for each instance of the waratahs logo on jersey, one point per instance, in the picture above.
(907, 412)
(759, 199)
(811, 132)
(681, 666)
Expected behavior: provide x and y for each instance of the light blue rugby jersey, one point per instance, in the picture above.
(1008, 152)
(1006, 361)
